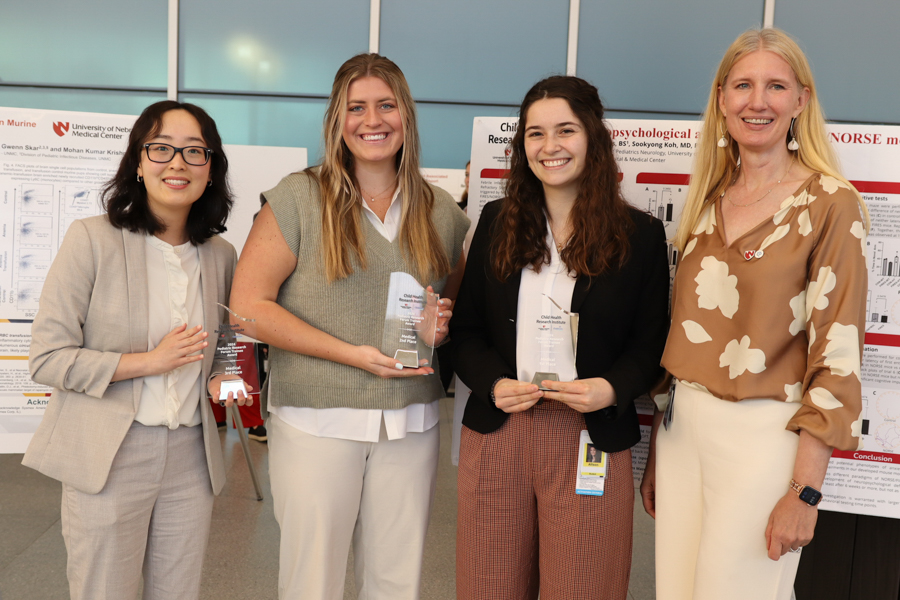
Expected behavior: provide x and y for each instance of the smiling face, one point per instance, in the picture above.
(373, 127)
(759, 98)
(556, 145)
(174, 186)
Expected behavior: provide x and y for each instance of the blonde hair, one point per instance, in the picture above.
(342, 237)
(714, 168)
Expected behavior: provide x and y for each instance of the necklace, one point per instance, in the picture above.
(363, 191)
(735, 204)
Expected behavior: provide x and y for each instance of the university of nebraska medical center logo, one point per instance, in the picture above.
(61, 128)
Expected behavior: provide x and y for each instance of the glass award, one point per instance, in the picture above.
(557, 333)
(410, 322)
(236, 350)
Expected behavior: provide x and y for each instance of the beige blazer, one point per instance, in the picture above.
(93, 309)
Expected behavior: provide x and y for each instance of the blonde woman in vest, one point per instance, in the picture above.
(766, 335)
(353, 440)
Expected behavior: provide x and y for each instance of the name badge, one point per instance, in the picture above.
(591, 469)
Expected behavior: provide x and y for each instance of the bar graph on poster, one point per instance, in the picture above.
(654, 159)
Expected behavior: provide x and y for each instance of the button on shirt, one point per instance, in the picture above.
(356, 424)
(173, 285)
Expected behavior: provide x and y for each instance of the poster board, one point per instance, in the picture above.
(654, 158)
(53, 165)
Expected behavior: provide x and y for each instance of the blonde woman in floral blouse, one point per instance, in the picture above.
(766, 337)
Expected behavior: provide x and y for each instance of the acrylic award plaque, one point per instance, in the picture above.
(553, 334)
(410, 322)
(235, 353)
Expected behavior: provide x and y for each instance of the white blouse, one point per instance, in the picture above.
(358, 424)
(174, 297)
(543, 337)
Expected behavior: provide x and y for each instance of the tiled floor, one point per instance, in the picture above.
(242, 561)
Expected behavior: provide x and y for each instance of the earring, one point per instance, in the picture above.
(140, 179)
(793, 145)
(722, 141)
(209, 183)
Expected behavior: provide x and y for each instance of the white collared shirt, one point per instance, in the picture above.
(534, 308)
(363, 425)
(173, 298)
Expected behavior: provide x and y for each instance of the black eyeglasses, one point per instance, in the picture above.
(196, 156)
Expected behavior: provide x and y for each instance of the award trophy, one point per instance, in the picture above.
(410, 322)
(235, 352)
(551, 336)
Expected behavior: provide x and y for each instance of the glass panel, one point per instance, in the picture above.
(266, 121)
(293, 47)
(475, 51)
(117, 103)
(853, 48)
(445, 132)
(101, 42)
(651, 55)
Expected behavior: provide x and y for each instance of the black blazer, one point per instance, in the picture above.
(624, 320)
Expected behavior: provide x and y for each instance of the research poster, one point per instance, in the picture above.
(654, 158)
(53, 165)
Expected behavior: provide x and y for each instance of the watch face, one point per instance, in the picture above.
(810, 495)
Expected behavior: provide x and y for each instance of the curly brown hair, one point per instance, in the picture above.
(600, 216)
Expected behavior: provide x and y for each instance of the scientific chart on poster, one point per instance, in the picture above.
(53, 165)
(655, 158)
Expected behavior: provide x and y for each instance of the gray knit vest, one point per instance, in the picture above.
(351, 309)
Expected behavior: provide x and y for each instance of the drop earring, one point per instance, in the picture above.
(722, 141)
(793, 145)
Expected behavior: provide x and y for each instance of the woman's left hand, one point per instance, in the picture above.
(791, 525)
(583, 395)
(242, 399)
(439, 313)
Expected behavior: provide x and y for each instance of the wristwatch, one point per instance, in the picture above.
(807, 493)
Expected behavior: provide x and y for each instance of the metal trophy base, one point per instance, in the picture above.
(407, 358)
(539, 377)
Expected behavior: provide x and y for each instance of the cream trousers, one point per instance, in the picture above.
(330, 492)
(720, 469)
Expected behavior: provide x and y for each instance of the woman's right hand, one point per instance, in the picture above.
(372, 360)
(179, 347)
(513, 396)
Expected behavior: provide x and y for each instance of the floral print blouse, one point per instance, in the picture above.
(781, 313)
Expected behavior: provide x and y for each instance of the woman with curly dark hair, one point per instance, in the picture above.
(121, 336)
(563, 242)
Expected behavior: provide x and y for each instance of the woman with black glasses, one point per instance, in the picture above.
(121, 336)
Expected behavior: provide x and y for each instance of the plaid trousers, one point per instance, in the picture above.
(522, 529)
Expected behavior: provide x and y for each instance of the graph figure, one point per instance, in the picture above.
(33, 262)
(883, 264)
(28, 294)
(81, 200)
(36, 197)
(34, 230)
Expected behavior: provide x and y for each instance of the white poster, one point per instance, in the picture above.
(867, 481)
(450, 180)
(53, 165)
(655, 158)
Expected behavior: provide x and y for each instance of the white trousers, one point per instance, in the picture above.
(153, 514)
(329, 493)
(720, 469)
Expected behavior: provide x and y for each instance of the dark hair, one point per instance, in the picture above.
(600, 237)
(125, 198)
